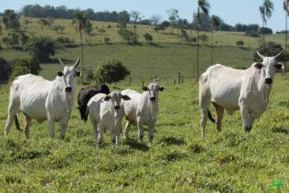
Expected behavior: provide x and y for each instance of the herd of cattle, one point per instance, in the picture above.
(226, 88)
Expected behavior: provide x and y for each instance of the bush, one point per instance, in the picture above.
(25, 66)
(5, 70)
(240, 43)
(42, 48)
(270, 49)
(148, 37)
(64, 40)
(127, 35)
(106, 40)
(111, 71)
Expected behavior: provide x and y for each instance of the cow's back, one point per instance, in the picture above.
(223, 84)
(31, 92)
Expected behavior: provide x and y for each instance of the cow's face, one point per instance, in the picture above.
(116, 98)
(153, 90)
(68, 75)
(270, 66)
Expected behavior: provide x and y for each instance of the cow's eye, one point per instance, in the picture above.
(258, 65)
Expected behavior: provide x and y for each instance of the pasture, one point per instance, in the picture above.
(179, 160)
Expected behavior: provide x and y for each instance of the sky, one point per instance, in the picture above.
(231, 11)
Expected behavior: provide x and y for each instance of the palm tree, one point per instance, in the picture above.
(266, 13)
(81, 20)
(286, 9)
(216, 21)
(203, 9)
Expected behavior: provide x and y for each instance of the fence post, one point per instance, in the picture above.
(179, 74)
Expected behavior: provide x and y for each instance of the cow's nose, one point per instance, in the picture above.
(268, 80)
(116, 107)
(153, 98)
(68, 89)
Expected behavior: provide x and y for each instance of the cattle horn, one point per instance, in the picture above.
(260, 55)
(281, 52)
(76, 63)
(60, 61)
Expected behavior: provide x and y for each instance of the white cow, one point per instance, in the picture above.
(106, 112)
(43, 99)
(142, 109)
(233, 89)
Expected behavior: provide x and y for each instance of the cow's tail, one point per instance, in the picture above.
(211, 117)
(17, 123)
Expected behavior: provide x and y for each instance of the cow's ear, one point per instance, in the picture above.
(145, 88)
(125, 97)
(161, 89)
(258, 65)
(60, 73)
(77, 73)
(107, 97)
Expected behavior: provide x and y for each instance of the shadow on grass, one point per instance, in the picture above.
(280, 130)
(134, 144)
(172, 141)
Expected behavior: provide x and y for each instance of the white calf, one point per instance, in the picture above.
(43, 99)
(142, 109)
(105, 112)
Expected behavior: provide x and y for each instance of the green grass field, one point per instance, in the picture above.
(179, 160)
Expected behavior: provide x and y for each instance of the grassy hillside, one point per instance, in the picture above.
(102, 30)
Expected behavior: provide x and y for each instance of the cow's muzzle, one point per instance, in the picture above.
(153, 98)
(268, 81)
(68, 89)
(116, 107)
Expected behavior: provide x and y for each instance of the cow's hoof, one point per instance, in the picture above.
(248, 129)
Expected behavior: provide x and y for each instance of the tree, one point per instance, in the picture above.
(5, 70)
(266, 13)
(81, 20)
(155, 20)
(127, 35)
(148, 37)
(135, 18)
(286, 9)
(10, 19)
(42, 48)
(111, 71)
(216, 22)
(203, 8)
(173, 16)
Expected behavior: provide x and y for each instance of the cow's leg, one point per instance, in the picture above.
(151, 131)
(63, 126)
(248, 120)
(99, 140)
(127, 125)
(50, 121)
(27, 124)
(116, 134)
(204, 101)
(12, 112)
(219, 117)
(140, 129)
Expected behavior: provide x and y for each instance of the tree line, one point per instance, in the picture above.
(63, 12)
